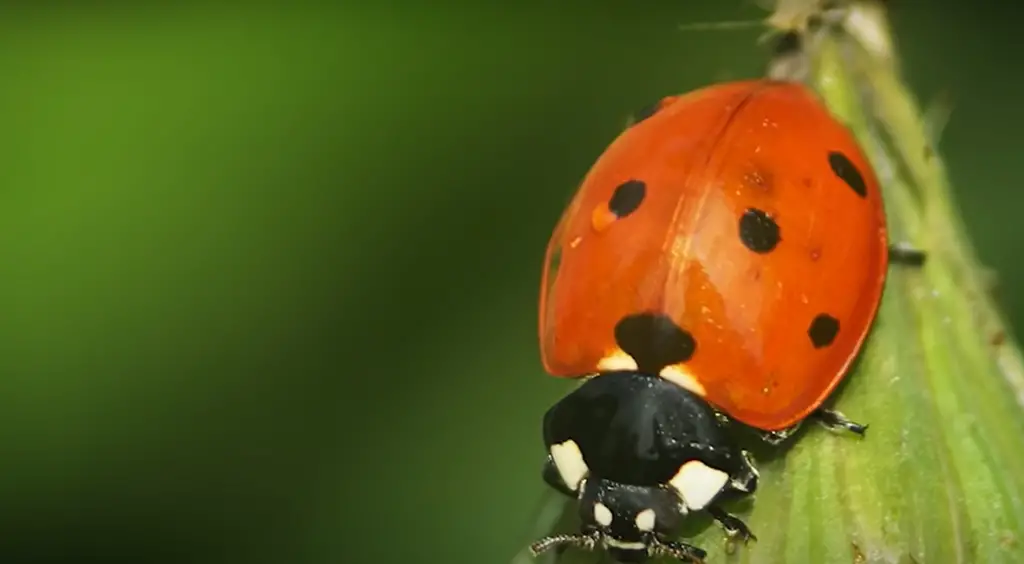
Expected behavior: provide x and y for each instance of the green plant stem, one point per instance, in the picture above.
(940, 476)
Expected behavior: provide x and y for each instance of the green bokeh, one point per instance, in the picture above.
(269, 275)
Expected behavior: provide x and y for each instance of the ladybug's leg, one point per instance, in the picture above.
(733, 525)
(776, 438)
(554, 479)
(678, 550)
(904, 254)
(837, 421)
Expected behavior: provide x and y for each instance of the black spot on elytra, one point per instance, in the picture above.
(823, 330)
(627, 197)
(654, 341)
(847, 172)
(758, 231)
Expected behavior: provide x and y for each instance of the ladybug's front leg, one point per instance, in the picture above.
(733, 525)
(906, 255)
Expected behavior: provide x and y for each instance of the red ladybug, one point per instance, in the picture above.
(722, 261)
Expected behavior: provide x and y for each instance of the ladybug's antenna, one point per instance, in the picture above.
(677, 550)
(563, 541)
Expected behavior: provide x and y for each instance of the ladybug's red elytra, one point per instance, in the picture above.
(722, 261)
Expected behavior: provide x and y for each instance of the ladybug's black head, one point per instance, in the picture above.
(631, 521)
(639, 454)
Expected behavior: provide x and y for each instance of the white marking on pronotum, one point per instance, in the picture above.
(617, 360)
(645, 520)
(698, 483)
(681, 376)
(602, 514)
(569, 462)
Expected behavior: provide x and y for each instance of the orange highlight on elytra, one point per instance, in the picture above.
(602, 218)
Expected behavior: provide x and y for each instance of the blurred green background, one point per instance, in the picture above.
(268, 275)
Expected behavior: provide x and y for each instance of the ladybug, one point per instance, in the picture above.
(721, 264)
